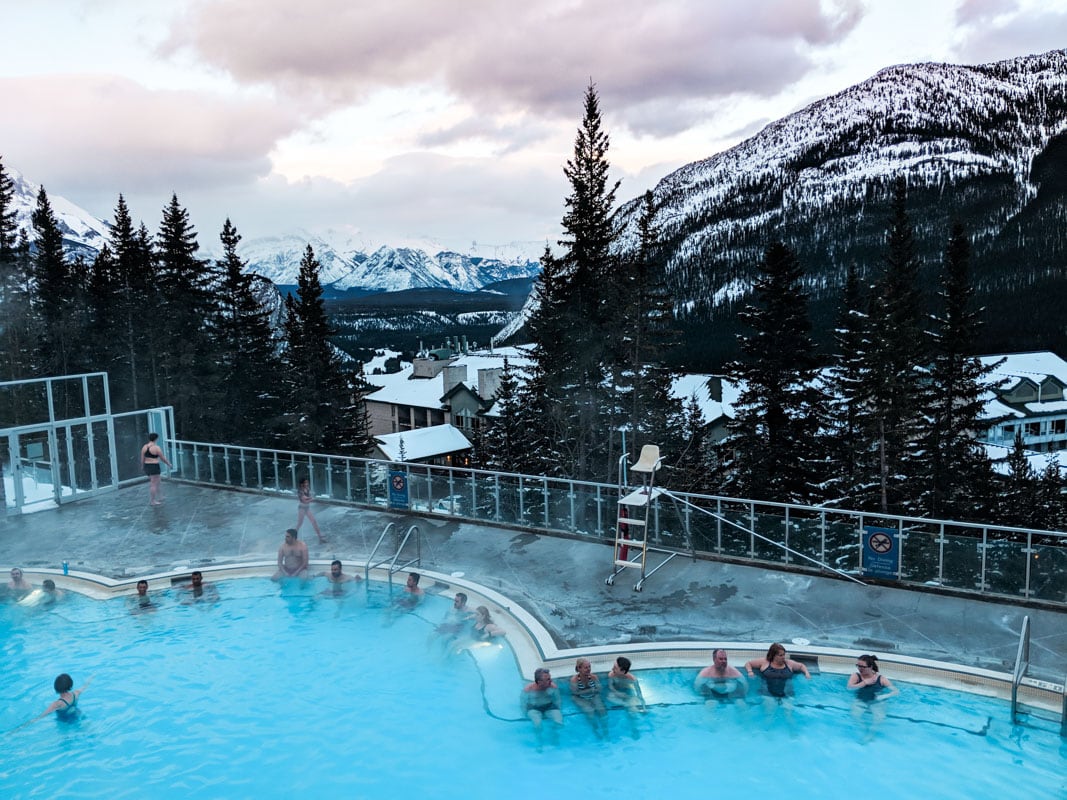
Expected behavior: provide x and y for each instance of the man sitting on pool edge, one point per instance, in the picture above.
(292, 558)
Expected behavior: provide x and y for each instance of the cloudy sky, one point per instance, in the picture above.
(433, 121)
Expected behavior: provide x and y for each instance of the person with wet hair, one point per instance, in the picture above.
(18, 585)
(65, 706)
(776, 671)
(871, 690)
(719, 681)
(585, 692)
(540, 701)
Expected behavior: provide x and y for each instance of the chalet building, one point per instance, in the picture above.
(442, 387)
(1029, 401)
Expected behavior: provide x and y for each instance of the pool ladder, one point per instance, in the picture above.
(393, 560)
(1022, 667)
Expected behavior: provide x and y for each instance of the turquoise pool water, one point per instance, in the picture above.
(282, 692)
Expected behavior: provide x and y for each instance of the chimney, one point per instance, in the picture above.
(489, 382)
(465, 350)
(454, 374)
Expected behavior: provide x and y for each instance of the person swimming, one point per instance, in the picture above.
(65, 707)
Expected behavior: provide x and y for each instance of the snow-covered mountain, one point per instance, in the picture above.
(83, 233)
(974, 143)
(344, 266)
(985, 145)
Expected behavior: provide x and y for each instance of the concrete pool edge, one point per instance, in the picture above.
(534, 646)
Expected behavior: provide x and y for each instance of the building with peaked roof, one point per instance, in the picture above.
(1028, 402)
(442, 445)
(440, 387)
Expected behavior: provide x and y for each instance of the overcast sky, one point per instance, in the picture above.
(433, 121)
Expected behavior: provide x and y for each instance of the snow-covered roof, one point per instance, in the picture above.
(402, 389)
(422, 443)
(696, 386)
(1034, 366)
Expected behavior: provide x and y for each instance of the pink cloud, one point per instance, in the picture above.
(537, 56)
(88, 130)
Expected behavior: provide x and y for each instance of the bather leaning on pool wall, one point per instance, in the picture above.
(533, 646)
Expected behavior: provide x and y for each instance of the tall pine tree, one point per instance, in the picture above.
(954, 472)
(895, 367)
(188, 377)
(247, 352)
(321, 410)
(772, 441)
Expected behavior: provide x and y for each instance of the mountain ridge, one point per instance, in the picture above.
(344, 267)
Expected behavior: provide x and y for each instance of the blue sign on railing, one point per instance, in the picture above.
(398, 489)
(881, 556)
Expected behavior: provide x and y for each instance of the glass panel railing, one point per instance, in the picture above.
(1048, 570)
(932, 552)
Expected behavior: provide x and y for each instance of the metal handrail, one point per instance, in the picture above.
(391, 560)
(1022, 666)
(830, 536)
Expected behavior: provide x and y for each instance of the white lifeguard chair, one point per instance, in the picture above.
(631, 527)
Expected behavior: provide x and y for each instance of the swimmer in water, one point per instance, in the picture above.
(65, 706)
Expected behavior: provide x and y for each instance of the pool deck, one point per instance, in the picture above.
(560, 581)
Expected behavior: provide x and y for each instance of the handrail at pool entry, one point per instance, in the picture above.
(392, 559)
(533, 646)
(1020, 564)
(1022, 665)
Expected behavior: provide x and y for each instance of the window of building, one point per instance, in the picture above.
(1032, 429)
(1058, 427)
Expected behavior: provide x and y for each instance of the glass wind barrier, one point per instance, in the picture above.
(974, 558)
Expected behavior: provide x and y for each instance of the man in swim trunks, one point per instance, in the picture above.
(292, 558)
(151, 455)
(719, 680)
(540, 701)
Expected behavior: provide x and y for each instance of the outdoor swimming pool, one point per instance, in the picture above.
(282, 692)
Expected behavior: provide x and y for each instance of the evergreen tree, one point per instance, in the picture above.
(17, 334)
(543, 410)
(577, 383)
(689, 470)
(1050, 499)
(188, 373)
(132, 297)
(844, 388)
(321, 410)
(893, 372)
(57, 302)
(248, 354)
(1019, 497)
(954, 471)
(643, 335)
(502, 443)
(8, 228)
(773, 435)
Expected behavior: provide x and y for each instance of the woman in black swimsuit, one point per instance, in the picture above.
(776, 671)
(151, 455)
(66, 706)
(872, 690)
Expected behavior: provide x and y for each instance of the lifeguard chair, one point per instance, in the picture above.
(631, 526)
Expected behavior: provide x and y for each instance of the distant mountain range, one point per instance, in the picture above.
(345, 268)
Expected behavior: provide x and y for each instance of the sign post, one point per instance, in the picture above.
(881, 556)
(398, 489)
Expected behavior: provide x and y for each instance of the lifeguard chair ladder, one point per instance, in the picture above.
(631, 552)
